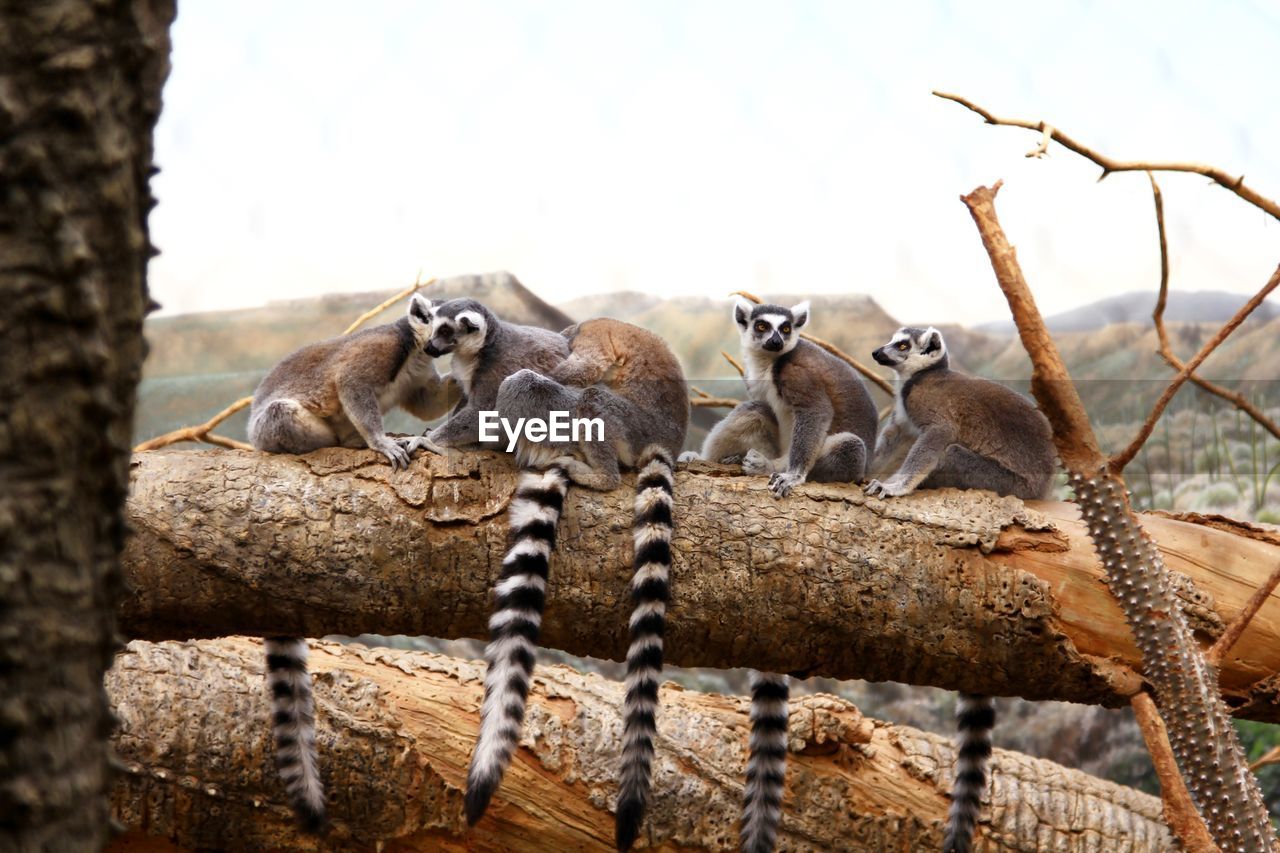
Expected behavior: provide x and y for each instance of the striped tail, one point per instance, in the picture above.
(649, 596)
(513, 631)
(975, 718)
(766, 762)
(294, 726)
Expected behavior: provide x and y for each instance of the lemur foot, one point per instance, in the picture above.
(891, 489)
(415, 443)
(687, 457)
(755, 462)
(735, 459)
(396, 454)
(783, 482)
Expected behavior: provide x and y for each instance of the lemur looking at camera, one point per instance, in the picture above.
(966, 433)
(485, 350)
(629, 379)
(334, 394)
(809, 417)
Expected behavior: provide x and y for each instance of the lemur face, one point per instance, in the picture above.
(420, 311)
(911, 350)
(458, 325)
(770, 329)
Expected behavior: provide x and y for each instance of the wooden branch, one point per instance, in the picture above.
(737, 365)
(1272, 756)
(396, 730)
(204, 432)
(335, 542)
(1108, 165)
(875, 378)
(1179, 811)
(1236, 628)
(1119, 460)
(714, 402)
(1166, 348)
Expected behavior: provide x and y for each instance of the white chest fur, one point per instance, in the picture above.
(760, 386)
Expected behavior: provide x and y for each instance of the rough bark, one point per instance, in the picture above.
(79, 95)
(950, 589)
(396, 731)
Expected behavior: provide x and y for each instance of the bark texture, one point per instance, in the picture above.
(951, 589)
(79, 95)
(396, 731)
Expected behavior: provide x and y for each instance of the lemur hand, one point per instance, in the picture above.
(687, 457)
(756, 462)
(891, 489)
(395, 453)
(783, 482)
(419, 442)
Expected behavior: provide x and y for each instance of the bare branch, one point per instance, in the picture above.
(737, 365)
(1119, 460)
(1232, 635)
(417, 285)
(1108, 165)
(1272, 757)
(1179, 811)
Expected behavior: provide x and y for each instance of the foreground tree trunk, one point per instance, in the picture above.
(948, 589)
(79, 95)
(396, 730)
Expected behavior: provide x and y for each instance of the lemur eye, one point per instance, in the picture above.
(762, 327)
(786, 329)
(903, 346)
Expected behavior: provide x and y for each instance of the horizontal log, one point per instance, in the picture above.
(396, 728)
(951, 589)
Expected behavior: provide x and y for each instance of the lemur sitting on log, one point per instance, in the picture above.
(629, 379)
(486, 350)
(965, 433)
(809, 417)
(334, 394)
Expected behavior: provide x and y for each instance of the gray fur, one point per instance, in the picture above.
(823, 425)
(335, 392)
(483, 356)
(962, 431)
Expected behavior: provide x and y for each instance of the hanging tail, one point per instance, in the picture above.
(294, 727)
(975, 718)
(766, 762)
(519, 598)
(649, 596)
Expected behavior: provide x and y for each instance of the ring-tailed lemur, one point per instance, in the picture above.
(810, 417)
(965, 433)
(486, 350)
(629, 379)
(334, 394)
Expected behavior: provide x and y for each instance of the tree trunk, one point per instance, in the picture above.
(951, 589)
(396, 731)
(79, 95)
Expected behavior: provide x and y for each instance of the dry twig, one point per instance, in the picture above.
(204, 432)
(1108, 165)
(1271, 757)
(737, 365)
(1119, 460)
(1179, 811)
(875, 378)
(1166, 349)
(1232, 635)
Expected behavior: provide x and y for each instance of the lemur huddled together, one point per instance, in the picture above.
(808, 417)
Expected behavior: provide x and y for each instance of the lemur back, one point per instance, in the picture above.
(629, 379)
(334, 394)
(964, 432)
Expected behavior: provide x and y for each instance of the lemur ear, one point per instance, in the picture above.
(468, 321)
(800, 314)
(420, 307)
(742, 311)
(932, 341)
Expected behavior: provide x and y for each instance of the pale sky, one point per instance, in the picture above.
(694, 148)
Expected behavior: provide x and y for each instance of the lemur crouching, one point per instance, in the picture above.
(966, 433)
(628, 379)
(334, 394)
(809, 417)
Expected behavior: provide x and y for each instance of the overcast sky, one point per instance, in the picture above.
(693, 148)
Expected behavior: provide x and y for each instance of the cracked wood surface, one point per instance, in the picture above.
(951, 589)
(396, 730)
